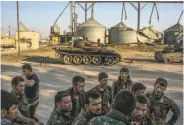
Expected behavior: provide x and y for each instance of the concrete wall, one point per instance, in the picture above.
(7, 42)
(34, 36)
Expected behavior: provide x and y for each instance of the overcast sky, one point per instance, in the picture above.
(40, 16)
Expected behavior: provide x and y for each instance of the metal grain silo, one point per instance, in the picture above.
(171, 34)
(120, 34)
(91, 29)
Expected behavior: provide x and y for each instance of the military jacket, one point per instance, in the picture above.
(77, 104)
(106, 98)
(161, 108)
(119, 85)
(57, 118)
(82, 119)
(23, 105)
(144, 121)
(114, 117)
(5, 121)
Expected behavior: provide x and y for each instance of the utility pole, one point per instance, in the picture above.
(18, 28)
(138, 9)
(138, 16)
(9, 30)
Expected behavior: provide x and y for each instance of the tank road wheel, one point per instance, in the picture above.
(57, 54)
(109, 60)
(96, 60)
(67, 59)
(77, 59)
(117, 59)
(86, 59)
(166, 60)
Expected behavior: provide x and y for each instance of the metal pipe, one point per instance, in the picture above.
(92, 11)
(133, 6)
(86, 11)
(61, 12)
(122, 13)
(180, 16)
(144, 6)
(125, 11)
(157, 11)
(151, 14)
(138, 17)
(80, 6)
(18, 28)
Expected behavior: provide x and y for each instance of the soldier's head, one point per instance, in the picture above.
(124, 102)
(138, 89)
(18, 85)
(27, 70)
(93, 102)
(8, 105)
(124, 73)
(160, 87)
(63, 102)
(78, 84)
(103, 78)
(141, 107)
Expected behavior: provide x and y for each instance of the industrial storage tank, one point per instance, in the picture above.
(55, 29)
(91, 29)
(120, 34)
(171, 34)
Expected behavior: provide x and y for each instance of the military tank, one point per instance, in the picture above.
(87, 52)
(170, 55)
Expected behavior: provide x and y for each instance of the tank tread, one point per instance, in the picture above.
(97, 59)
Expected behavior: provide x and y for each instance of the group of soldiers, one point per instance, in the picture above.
(123, 103)
(18, 106)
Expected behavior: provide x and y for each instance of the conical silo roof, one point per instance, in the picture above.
(175, 28)
(121, 24)
(91, 23)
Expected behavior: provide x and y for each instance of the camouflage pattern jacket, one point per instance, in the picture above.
(118, 85)
(5, 121)
(82, 119)
(159, 109)
(106, 98)
(114, 117)
(77, 104)
(57, 118)
(145, 121)
(23, 105)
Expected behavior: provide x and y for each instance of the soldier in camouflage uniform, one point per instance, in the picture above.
(61, 114)
(23, 114)
(8, 109)
(105, 92)
(160, 105)
(124, 104)
(138, 89)
(139, 115)
(93, 105)
(123, 83)
(18, 89)
(77, 95)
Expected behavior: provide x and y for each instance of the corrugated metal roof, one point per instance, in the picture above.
(176, 27)
(91, 23)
